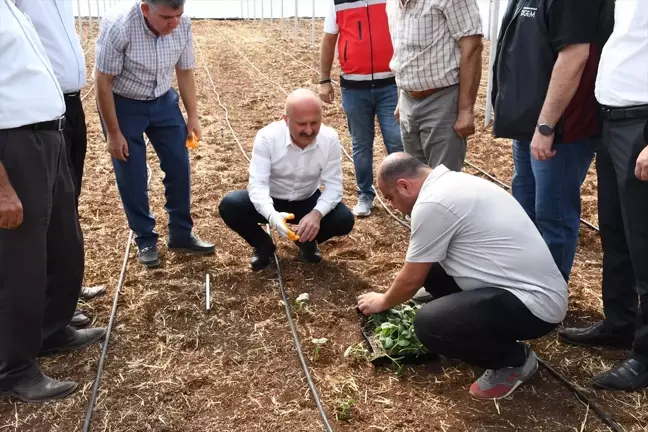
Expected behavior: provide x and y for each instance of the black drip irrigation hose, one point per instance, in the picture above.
(580, 395)
(298, 347)
(111, 322)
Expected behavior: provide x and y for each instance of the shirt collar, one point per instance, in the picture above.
(436, 173)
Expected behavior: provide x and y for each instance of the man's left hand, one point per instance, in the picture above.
(372, 303)
(309, 226)
(465, 124)
(541, 146)
(193, 126)
(641, 168)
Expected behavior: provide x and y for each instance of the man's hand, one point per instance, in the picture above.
(326, 92)
(117, 146)
(193, 127)
(397, 112)
(641, 169)
(309, 226)
(11, 210)
(277, 220)
(371, 303)
(541, 146)
(465, 124)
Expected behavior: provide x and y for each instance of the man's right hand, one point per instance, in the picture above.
(326, 93)
(11, 209)
(277, 221)
(117, 146)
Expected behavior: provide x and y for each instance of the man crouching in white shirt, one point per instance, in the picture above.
(291, 158)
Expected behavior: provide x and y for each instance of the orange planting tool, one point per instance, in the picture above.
(192, 141)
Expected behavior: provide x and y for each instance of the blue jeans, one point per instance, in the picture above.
(549, 191)
(361, 106)
(163, 123)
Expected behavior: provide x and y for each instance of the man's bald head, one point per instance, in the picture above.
(302, 99)
(400, 166)
(400, 178)
(303, 116)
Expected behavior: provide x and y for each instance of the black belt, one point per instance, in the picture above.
(624, 113)
(52, 125)
(69, 97)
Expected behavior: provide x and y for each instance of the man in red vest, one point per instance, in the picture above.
(361, 32)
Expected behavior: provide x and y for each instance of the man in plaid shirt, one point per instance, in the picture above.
(137, 51)
(437, 62)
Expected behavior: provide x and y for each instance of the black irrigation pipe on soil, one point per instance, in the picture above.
(604, 417)
(284, 296)
(467, 162)
(111, 321)
(580, 395)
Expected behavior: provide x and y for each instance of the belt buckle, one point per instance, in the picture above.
(61, 123)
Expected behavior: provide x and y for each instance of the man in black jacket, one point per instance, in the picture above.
(543, 97)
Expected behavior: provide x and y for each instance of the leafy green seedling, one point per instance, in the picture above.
(394, 331)
(343, 408)
(318, 346)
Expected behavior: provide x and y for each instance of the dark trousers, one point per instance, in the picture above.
(623, 219)
(41, 262)
(239, 214)
(76, 139)
(163, 123)
(481, 327)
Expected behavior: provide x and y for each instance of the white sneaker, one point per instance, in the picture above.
(363, 208)
(422, 296)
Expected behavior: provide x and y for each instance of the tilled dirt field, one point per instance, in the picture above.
(172, 366)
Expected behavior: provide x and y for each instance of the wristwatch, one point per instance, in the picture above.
(545, 129)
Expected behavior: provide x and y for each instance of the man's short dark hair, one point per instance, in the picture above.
(173, 4)
(406, 167)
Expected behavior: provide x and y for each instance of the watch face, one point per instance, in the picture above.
(545, 129)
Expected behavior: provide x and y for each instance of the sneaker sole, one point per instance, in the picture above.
(151, 264)
(41, 401)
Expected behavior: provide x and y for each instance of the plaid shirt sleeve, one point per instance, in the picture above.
(188, 58)
(463, 18)
(110, 48)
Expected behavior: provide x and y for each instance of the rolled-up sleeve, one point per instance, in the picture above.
(188, 57)
(259, 181)
(463, 18)
(331, 179)
(110, 47)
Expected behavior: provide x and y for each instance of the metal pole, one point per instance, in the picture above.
(271, 11)
(80, 22)
(262, 13)
(242, 14)
(491, 58)
(313, 27)
(90, 18)
(296, 31)
(282, 14)
(254, 9)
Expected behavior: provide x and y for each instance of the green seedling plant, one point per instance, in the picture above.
(302, 301)
(318, 346)
(394, 331)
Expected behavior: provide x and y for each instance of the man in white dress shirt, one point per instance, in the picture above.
(291, 158)
(41, 251)
(54, 23)
(622, 172)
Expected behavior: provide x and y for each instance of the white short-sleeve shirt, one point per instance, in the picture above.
(330, 21)
(482, 237)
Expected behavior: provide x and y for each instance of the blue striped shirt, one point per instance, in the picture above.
(142, 63)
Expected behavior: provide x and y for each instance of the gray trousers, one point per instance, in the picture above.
(427, 128)
(41, 261)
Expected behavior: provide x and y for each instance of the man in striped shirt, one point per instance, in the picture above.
(137, 51)
(437, 62)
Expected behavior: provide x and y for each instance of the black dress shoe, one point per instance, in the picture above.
(310, 253)
(88, 293)
(628, 375)
(79, 320)
(148, 256)
(39, 389)
(597, 335)
(71, 339)
(262, 256)
(194, 245)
